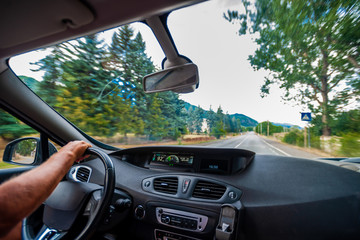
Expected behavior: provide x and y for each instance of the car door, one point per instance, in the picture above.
(15, 137)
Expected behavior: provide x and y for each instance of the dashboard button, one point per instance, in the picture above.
(186, 184)
(232, 195)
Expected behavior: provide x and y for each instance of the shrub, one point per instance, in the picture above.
(291, 137)
(350, 145)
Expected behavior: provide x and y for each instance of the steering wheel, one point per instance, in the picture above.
(68, 199)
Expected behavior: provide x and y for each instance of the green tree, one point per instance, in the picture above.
(218, 130)
(198, 116)
(123, 117)
(232, 125)
(172, 111)
(30, 82)
(310, 46)
(190, 120)
(128, 58)
(195, 116)
(11, 128)
(48, 88)
(155, 122)
(262, 128)
(99, 87)
(26, 147)
(83, 68)
(347, 122)
(72, 107)
(211, 119)
(237, 125)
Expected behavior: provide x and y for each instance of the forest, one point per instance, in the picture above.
(98, 87)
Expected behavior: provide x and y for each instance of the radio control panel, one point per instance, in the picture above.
(181, 219)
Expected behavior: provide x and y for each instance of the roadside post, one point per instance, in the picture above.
(306, 116)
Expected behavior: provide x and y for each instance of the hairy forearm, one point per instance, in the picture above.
(20, 196)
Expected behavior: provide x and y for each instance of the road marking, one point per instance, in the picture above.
(242, 141)
(277, 149)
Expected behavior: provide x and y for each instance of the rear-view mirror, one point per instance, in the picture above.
(180, 79)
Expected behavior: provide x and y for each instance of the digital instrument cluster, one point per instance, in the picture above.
(173, 159)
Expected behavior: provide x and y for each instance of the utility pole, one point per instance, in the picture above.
(309, 137)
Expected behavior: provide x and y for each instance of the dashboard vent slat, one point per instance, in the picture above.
(166, 185)
(208, 190)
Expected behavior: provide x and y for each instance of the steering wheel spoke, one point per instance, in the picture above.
(93, 204)
(72, 199)
(50, 234)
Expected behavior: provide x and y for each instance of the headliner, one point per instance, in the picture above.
(19, 19)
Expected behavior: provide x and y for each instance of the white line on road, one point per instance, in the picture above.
(242, 141)
(277, 149)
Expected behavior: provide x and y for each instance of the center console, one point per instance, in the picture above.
(181, 219)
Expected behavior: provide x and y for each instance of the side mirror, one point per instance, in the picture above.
(180, 79)
(25, 151)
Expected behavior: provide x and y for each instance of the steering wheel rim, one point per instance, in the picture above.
(97, 216)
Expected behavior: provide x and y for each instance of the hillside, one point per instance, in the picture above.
(287, 125)
(244, 120)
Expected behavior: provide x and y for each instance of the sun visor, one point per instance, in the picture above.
(39, 18)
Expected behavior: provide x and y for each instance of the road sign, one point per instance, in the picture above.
(306, 116)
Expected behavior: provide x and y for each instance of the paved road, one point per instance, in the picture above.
(259, 145)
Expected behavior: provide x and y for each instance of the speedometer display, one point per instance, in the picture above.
(173, 159)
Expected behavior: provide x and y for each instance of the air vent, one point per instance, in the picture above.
(166, 185)
(83, 174)
(80, 173)
(208, 190)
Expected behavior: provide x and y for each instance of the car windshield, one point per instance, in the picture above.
(285, 83)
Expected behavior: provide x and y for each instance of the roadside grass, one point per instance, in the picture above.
(197, 142)
(4, 165)
(350, 145)
(315, 151)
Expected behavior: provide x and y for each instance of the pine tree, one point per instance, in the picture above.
(83, 71)
(211, 119)
(130, 63)
(218, 130)
(198, 117)
(129, 60)
(48, 88)
(155, 122)
(171, 108)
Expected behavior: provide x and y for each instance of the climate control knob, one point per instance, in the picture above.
(139, 212)
(167, 220)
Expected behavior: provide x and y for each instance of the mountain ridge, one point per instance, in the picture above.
(245, 121)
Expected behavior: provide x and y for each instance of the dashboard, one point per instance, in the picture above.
(169, 192)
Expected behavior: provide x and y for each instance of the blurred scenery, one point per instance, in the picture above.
(309, 50)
